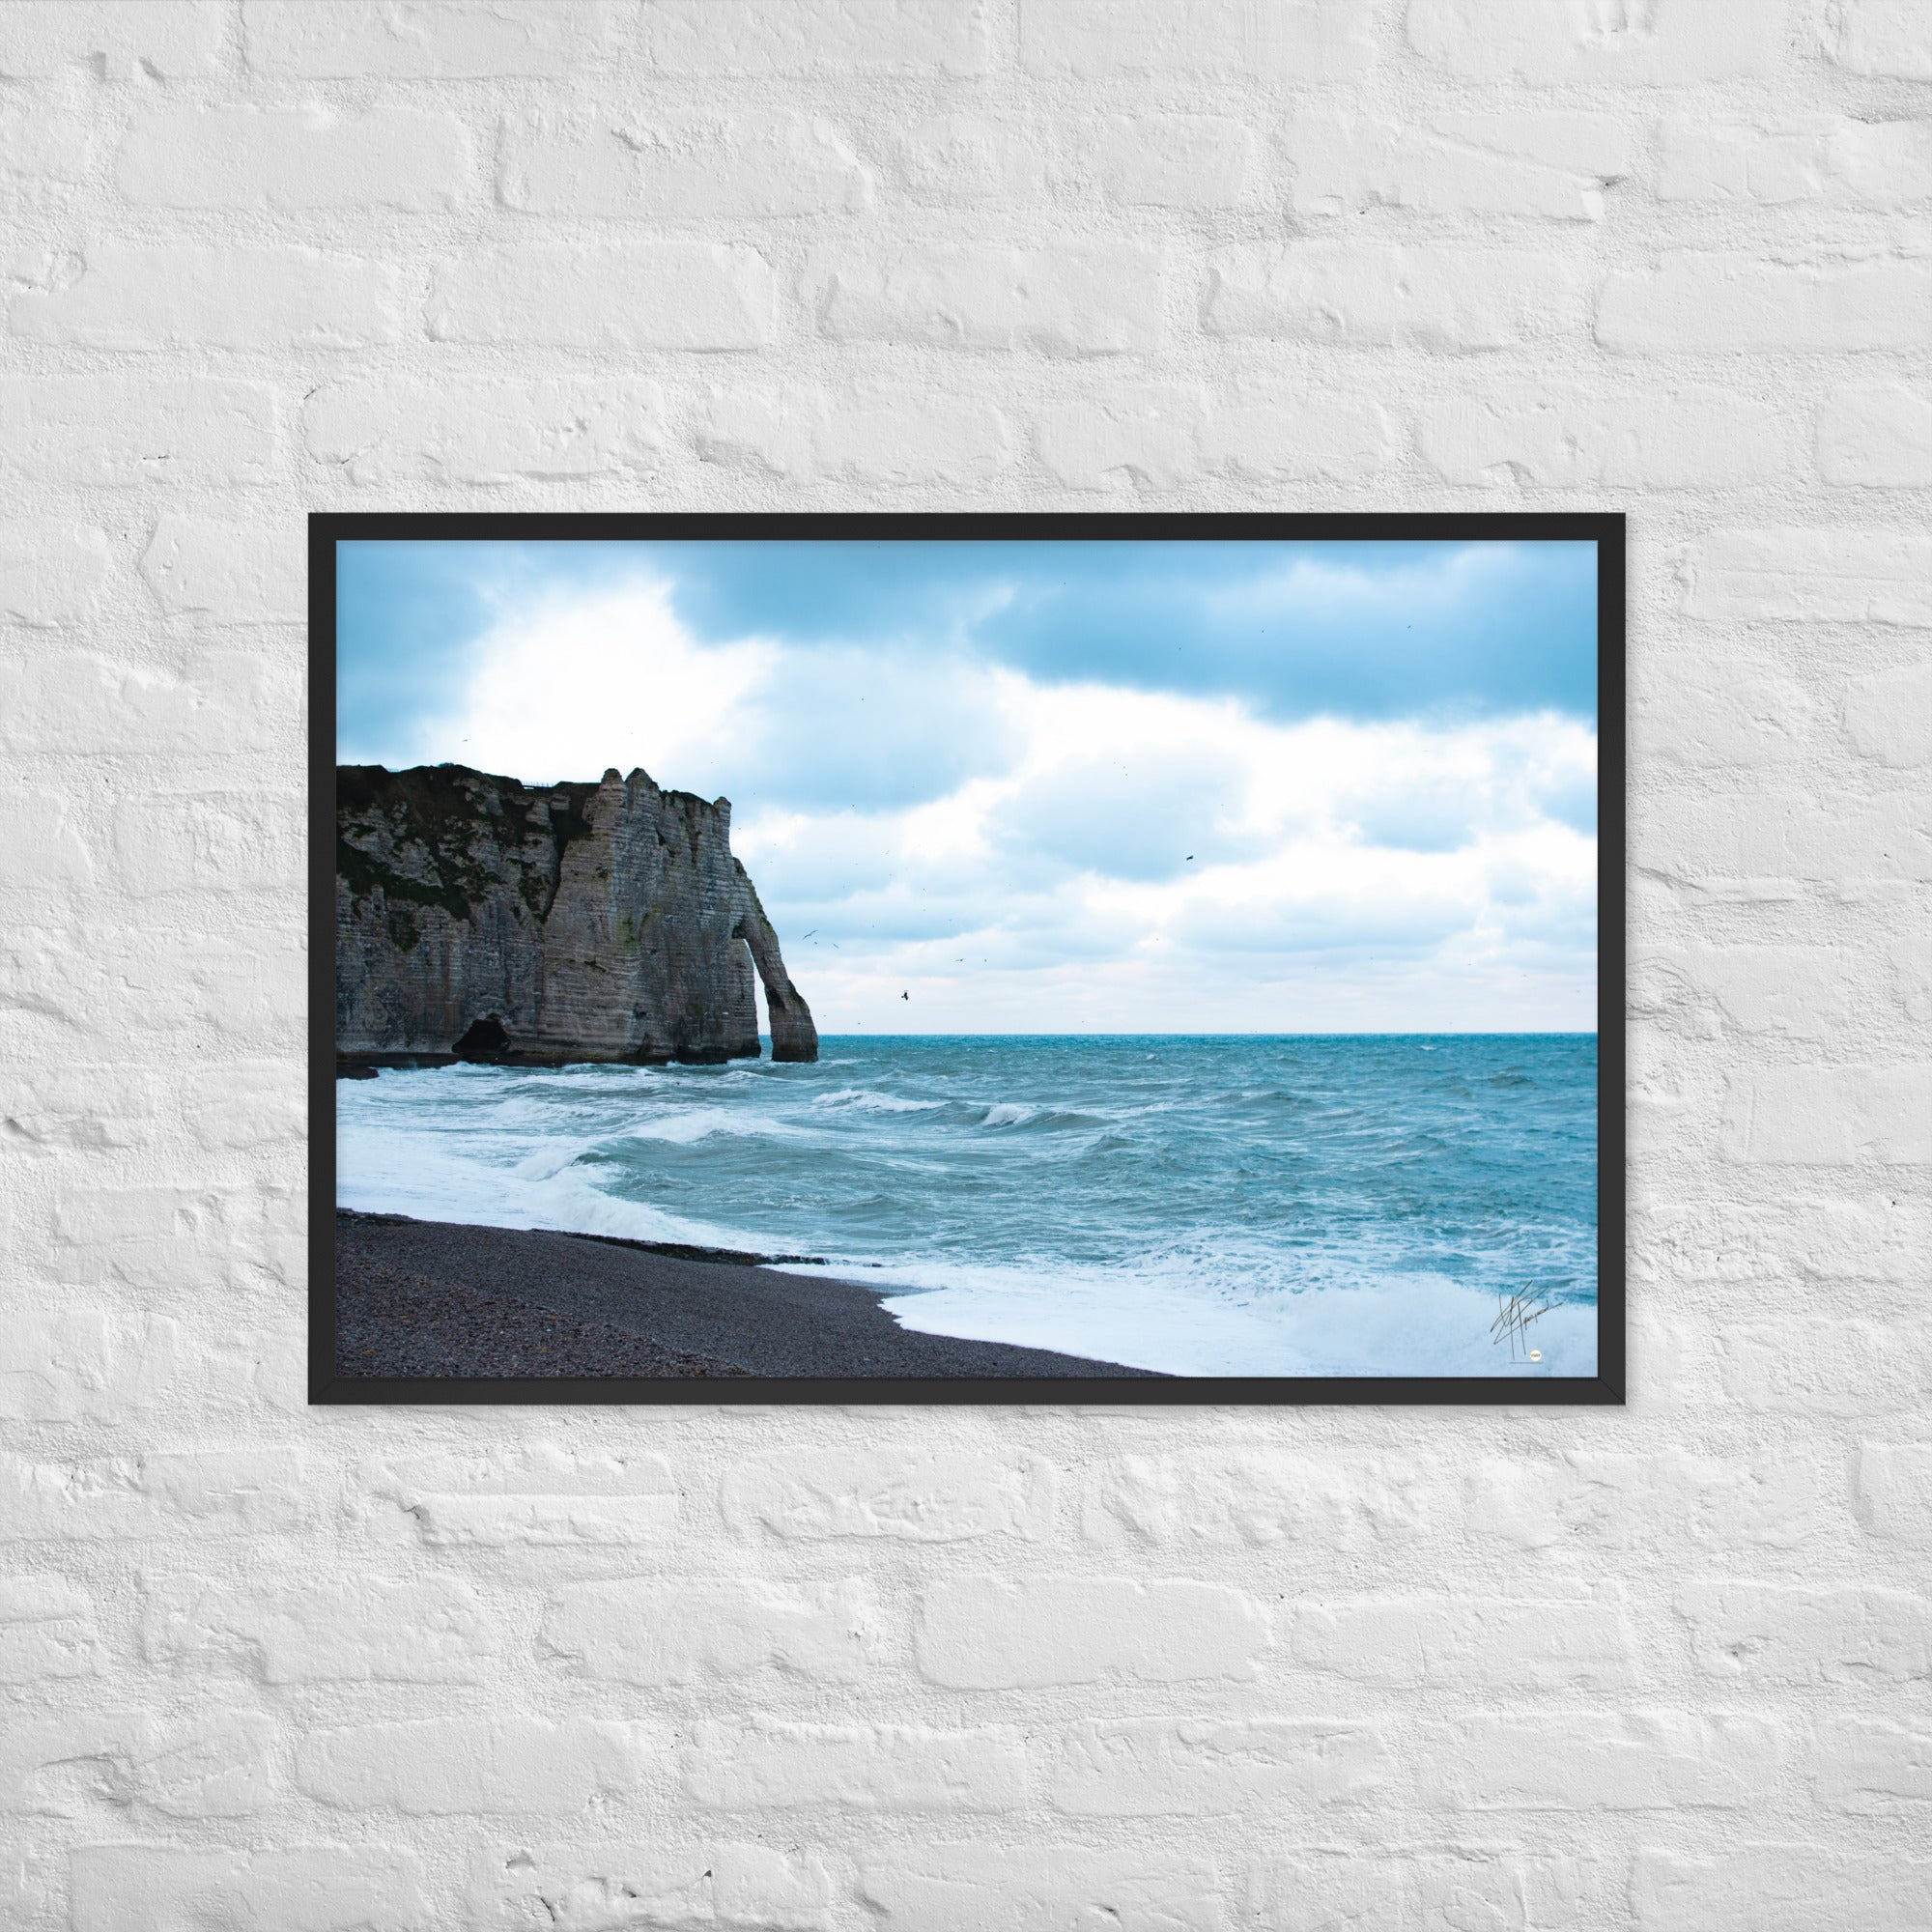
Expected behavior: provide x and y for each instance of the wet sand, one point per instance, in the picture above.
(440, 1299)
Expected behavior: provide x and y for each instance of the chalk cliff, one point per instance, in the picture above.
(481, 918)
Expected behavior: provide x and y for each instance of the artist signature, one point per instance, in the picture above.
(1513, 1315)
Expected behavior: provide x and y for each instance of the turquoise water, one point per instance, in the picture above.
(1228, 1205)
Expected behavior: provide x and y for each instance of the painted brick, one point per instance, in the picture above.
(1750, 848)
(980, 1633)
(247, 980)
(426, 39)
(645, 1884)
(964, 158)
(383, 432)
(121, 431)
(872, 435)
(1437, 297)
(1259, 1497)
(1154, 439)
(294, 157)
(1300, 42)
(1876, 433)
(245, 1103)
(1173, 160)
(1834, 576)
(1079, 298)
(228, 573)
(1600, 1500)
(51, 572)
(742, 37)
(1208, 1767)
(1880, 37)
(540, 1496)
(1894, 1490)
(1335, 1890)
(1777, 1888)
(1888, 716)
(456, 1767)
(1830, 1115)
(43, 38)
(1466, 1885)
(46, 1630)
(1688, 711)
(965, 1887)
(66, 1364)
(215, 1766)
(1264, 435)
(682, 171)
(1485, 1886)
(903, 1495)
(322, 1889)
(1672, 44)
(1147, 440)
(1852, 1369)
(1426, 1642)
(1842, 163)
(205, 1494)
(1569, 437)
(645, 1631)
(1868, 1764)
(179, 295)
(1800, 992)
(1641, 1761)
(766, 1764)
(40, 144)
(49, 851)
(430, 1629)
(655, 294)
(1735, 305)
(205, 841)
(1793, 1633)
(1548, 165)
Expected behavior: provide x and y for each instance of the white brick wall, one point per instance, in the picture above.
(386, 1672)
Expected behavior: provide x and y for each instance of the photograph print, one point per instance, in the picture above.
(1131, 958)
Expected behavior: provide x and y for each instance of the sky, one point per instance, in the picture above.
(1057, 787)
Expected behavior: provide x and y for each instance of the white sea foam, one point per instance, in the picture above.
(1169, 1318)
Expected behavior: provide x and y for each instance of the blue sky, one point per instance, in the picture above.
(1057, 786)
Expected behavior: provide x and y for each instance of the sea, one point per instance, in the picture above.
(1229, 1206)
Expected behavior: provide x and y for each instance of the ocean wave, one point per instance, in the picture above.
(698, 1124)
(1296, 1208)
(868, 1101)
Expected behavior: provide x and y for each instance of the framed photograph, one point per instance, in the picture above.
(967, 958)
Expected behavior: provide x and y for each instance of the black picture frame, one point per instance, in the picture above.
(325, 1386)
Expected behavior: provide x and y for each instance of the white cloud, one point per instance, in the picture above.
(571, 684)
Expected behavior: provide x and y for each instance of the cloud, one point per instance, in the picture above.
(1296, 630)
(1131, 814)
(961, 795)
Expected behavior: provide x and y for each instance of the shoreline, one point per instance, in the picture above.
(444, 1298)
